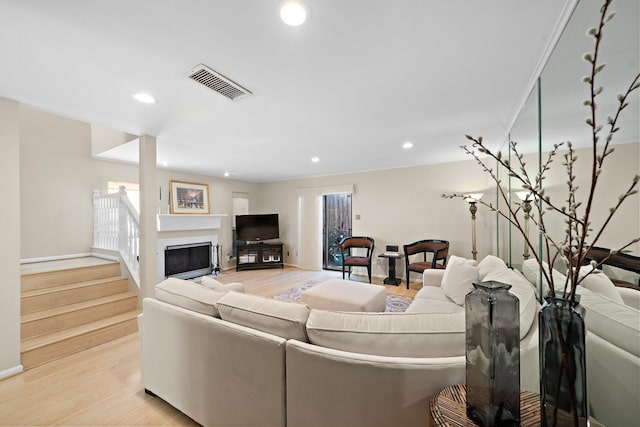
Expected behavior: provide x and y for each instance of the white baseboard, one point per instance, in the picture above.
(70, 256)
(53, 258)
(11, 371)
(105, 256)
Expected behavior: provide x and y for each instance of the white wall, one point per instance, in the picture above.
(58, 175)
(10, 232)
(56, 208)
(396, 207)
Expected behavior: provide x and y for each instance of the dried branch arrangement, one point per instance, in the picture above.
(573, 248)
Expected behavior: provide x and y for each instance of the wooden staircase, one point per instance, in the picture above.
(69, 308)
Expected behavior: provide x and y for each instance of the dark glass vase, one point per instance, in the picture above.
(492, 319)
(563, 370)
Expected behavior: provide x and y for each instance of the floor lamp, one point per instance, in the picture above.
(526, 207)
(473, 208)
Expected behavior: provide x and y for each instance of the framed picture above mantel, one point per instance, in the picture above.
(189, 198)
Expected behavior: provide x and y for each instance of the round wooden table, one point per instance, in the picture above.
(449, 408)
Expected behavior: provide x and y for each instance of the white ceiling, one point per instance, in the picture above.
(350, 85)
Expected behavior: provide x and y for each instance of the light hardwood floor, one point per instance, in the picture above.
(102, 386)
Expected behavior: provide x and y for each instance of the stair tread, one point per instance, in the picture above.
(77, 285)
(64, 265)
(43, 340)
(76, 306)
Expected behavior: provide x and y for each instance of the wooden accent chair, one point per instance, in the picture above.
(438, 248)
(352, 259)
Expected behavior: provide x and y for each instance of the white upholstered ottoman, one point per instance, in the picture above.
(345, 295)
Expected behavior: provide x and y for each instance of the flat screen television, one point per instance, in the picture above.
(257, 227)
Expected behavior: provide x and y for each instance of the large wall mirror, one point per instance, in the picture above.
(554, 113)
(525, 134)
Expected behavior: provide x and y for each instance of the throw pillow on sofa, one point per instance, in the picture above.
(189, 295)
(212, 283)
(598, 282)
(490, 263)
(459, 277)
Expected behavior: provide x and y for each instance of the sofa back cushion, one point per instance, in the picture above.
(389, 334)
(281, 318)
(531, 270)
(189, 295)
(615, 322)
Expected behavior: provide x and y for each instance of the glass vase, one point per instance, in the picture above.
(492, 318)
(563, 373)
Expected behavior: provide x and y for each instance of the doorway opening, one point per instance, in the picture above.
(336, 225)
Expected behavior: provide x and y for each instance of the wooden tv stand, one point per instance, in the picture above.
(259, 255)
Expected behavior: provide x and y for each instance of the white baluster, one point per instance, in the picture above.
(116, 227)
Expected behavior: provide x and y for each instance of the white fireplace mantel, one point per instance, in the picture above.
(168, 222)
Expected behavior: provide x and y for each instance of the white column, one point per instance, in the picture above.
(10, 232)
(148, 201)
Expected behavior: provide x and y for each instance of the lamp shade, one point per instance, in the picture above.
(525, 196)
(474, 197)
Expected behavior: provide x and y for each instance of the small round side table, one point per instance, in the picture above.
(449, 408)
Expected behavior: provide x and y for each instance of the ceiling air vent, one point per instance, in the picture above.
(217, 82)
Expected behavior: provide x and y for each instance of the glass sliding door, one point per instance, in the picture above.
(336, 226)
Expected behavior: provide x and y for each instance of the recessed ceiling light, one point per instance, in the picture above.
(226, 174)
(293, 13)
(407, 145)
(315, 159)
(145, 98)
(165, 164)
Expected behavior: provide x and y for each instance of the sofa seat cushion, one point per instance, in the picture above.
(389, 334)
(189, 295)
(522, 289)
(617, 323)
(459, 277)
(432, 293)
(425, 305)
(432, 299)
(281, 318)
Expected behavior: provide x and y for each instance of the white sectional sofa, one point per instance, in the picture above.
(255, 361)
(612, 318)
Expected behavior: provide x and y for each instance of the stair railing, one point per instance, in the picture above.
(116, 227)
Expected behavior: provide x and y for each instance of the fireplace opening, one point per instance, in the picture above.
(188, 261)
